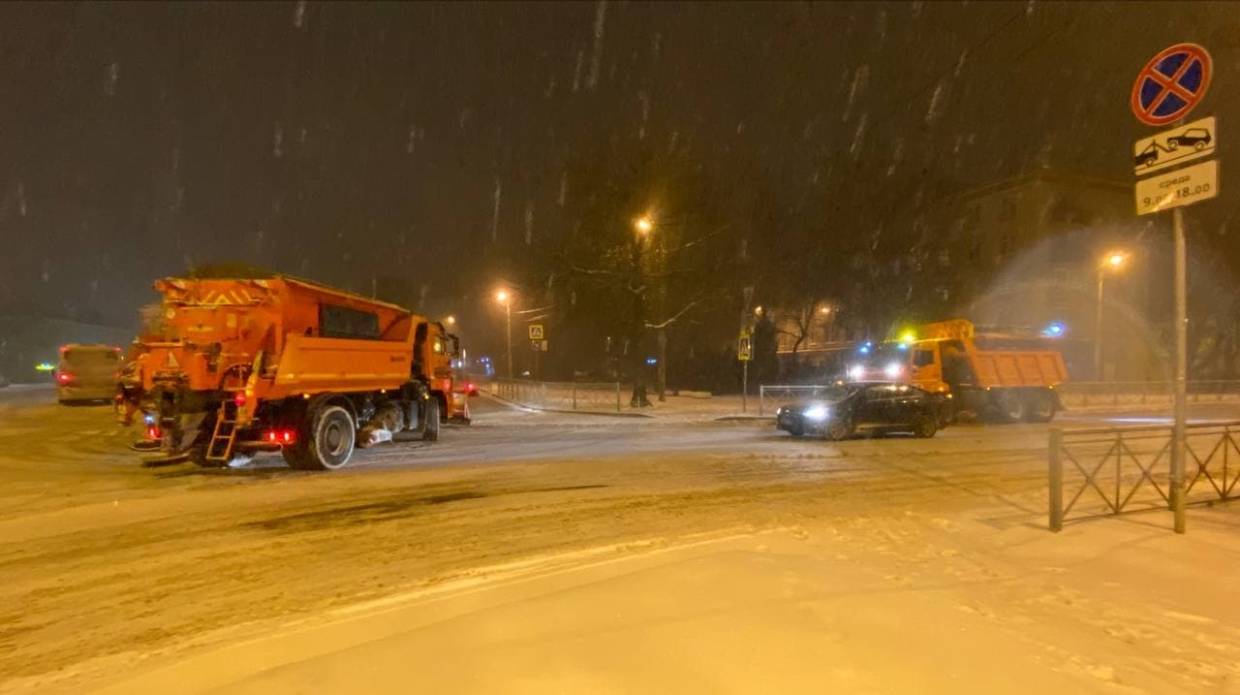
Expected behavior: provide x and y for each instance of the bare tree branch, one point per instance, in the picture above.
(670, 321)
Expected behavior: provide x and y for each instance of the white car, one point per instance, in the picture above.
(87, 373)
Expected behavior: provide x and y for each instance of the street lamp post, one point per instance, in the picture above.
(643, 226)
(504, 298)
(1113, 261)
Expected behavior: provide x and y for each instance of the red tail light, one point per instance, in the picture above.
(153, 432)
(281, 436)
(64, 377)
(239, 399)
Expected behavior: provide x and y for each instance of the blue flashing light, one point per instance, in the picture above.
(902, 346)
(864, 349)
(1055, 329)
(652, 360)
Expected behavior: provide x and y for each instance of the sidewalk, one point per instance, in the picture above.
(674, 408)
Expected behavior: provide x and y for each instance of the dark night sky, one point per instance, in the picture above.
(341, 141)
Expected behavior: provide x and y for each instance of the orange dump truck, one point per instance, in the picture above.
(246, 365)
(995, 376)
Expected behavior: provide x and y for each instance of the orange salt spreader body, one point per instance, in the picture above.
(243, 365)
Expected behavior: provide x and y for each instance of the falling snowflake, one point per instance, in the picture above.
(936, 103)
(110, 80)
(600, 20)
(860, 77)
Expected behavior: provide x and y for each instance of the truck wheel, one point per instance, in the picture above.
(1040, 407)
(327, 445)
(1011, 405)
(430, 428)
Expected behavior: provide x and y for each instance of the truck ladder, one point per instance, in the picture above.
(220, 448)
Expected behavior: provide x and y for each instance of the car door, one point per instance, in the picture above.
(911, 405)
(875, 408)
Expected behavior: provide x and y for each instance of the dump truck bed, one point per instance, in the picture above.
(1017, 368)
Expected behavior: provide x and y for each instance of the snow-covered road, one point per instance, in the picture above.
(111, 569)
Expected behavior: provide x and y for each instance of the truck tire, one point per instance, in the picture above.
(1011, 406)
(327, 444)
(1040, 407)
(430, 428)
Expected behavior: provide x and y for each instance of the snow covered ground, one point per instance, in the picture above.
(538, 551)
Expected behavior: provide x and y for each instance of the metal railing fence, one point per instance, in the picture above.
(553, 395)
(782, 393)
(1073, 394)
(1130, 467)
(1079, 394)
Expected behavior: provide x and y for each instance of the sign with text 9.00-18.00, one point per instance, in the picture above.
(1177, 188)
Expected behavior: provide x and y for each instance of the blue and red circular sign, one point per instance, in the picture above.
(1171, 84)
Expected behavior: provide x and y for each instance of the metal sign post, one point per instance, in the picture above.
(538, 344)
(1179, 442)
(1171, 85)
(744, 353)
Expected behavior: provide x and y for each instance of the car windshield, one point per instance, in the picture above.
(884, 354)
(91, 358)
(831, 394)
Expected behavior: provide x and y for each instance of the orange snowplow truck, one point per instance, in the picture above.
(998, 377)
(1002, 377)
(248, 365)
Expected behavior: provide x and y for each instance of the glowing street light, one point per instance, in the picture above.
(504, 297)
(644, 225)
(450, 320)
(1114, 262)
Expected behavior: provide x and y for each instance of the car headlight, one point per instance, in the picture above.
(855, 372)
(817, 412)
(893, 370)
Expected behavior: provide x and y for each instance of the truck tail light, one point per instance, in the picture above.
(283, 437)
(239, 399)
(64, 377)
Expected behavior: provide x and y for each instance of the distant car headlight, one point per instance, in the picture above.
(855, 372)
(816, 412)
(893, 370)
